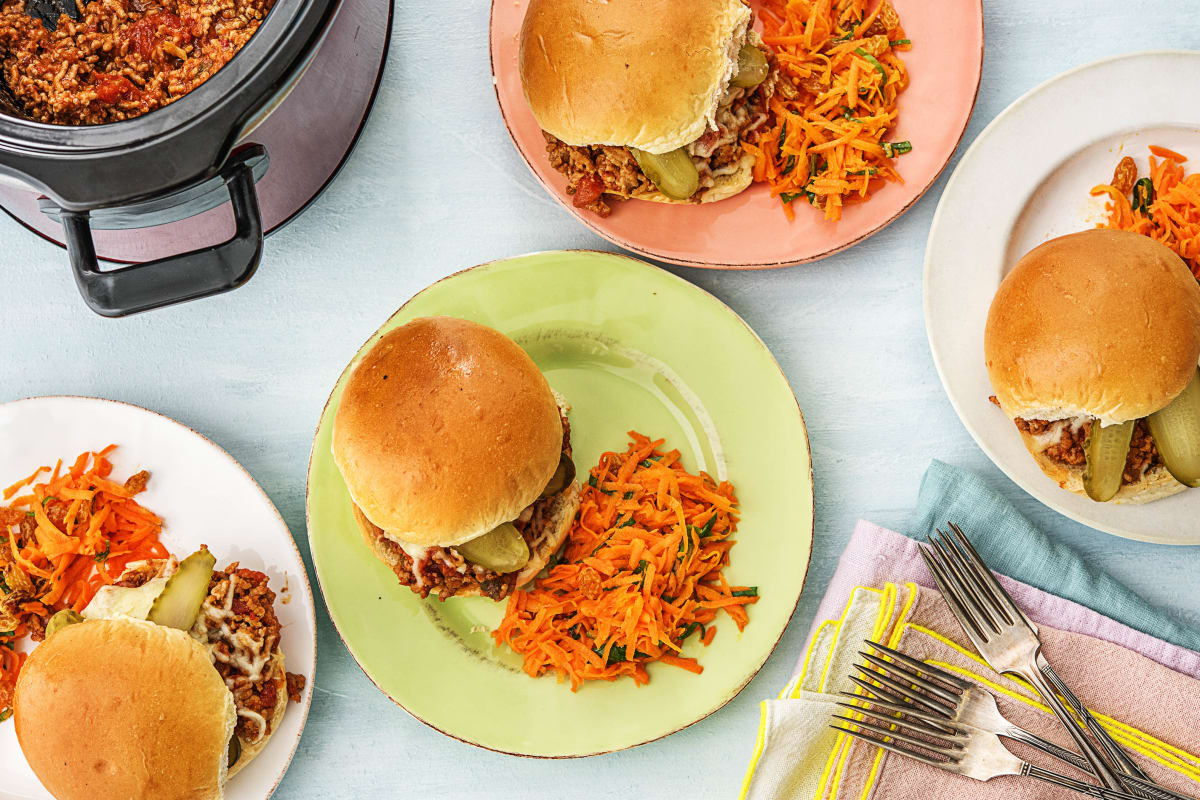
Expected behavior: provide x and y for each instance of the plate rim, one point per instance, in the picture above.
(311, 683)
(1046, 498)
(739, 267)
(726, 697)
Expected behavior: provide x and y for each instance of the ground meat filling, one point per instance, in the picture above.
(123, 58)
(595, 170)
(238, 618)
(1068, 449)
(444, 571)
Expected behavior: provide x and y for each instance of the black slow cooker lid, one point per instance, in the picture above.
(98, 166)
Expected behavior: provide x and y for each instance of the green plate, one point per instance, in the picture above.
(631, 347)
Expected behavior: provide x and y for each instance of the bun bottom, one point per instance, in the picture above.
(251, 749)
(560, 516)
(724, 187)
(1155, 484)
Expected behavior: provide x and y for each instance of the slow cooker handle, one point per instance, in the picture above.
(189, 276)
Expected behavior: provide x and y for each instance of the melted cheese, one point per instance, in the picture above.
(256, 717)
(247, 654)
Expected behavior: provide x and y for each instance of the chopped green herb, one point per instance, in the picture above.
(899, 42)
(1143, 195)
(9, 645)
(616, 654)
(640, 569)
(782, 136)
(5, 714)
(8, 633)
(893, 149)
(628, 496)
(627, 522)
(100, 558)
(788, 197)
(868, 171)
(874, 62)
(708, 526)
(690, 629)
(46, 500)
(592, 481)
(847, 112)
(789, 165)
(814, 165)
(30, 514)
(751, 591)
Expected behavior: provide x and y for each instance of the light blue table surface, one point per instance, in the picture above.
(435, 186)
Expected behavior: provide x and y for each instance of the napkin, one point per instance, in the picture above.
(1120, 662)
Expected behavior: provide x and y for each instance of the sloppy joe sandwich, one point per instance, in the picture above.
(457, 456)
(170, 682)
(1092, 344)
(648, 99)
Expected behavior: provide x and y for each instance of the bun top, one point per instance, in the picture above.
(643, 73)
(1102, 323)
(445, 430)
(124, 708)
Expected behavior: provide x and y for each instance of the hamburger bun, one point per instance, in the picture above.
(445, 430)
(647, 74)
(251, 749)
(124, 708)
(1101, 324)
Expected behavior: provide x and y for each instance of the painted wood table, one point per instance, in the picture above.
(435, 186)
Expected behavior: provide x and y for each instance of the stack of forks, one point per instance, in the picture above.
(925, 713)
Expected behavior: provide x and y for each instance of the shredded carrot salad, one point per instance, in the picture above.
(840, 76)
(61, 539)
(641, 573)
(1164, 206)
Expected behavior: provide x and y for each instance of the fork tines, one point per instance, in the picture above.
(915, 703)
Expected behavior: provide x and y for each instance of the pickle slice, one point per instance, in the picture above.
(752, 67)
(60, 620)
(1176, 432)
(181, 598)
(501, 550)
(562, 477)
(235, 751)
(673, 173)
(1106, 450)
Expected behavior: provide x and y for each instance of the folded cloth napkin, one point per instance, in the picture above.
(1146, 690)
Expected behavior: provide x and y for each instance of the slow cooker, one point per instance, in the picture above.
(185, 194)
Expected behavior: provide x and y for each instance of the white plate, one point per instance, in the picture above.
(1025, 180)
(204, 497)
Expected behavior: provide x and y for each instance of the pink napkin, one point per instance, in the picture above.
(1148, 685)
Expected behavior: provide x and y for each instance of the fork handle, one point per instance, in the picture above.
(1095, 759)
(1124, 763)
(1138, 786)
(1079, 786)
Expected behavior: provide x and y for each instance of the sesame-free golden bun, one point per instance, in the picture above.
(1102, 323)
(124, 708)
(639, 73)
(445, 430)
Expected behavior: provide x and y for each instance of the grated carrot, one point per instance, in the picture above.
(840, 79)
(640, 573)
(1164, 206)
(60, 542)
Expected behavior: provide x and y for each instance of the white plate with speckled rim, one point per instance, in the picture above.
(1027, 178)
(204, 497)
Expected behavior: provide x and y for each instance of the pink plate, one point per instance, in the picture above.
(750, 231)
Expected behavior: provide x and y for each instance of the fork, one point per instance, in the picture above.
(1123, 762)
(893, 683)
(1004, 636)
(950, 746)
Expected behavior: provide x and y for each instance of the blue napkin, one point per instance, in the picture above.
(1013, 547)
